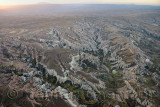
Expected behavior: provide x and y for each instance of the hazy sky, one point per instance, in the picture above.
(15, 2)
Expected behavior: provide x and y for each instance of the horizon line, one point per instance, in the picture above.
(46, 3)
(78, 3)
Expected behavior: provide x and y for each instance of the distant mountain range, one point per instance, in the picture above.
(76, 9)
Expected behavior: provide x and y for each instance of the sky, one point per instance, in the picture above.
(20, 2)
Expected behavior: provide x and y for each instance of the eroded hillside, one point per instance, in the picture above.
(80, 61)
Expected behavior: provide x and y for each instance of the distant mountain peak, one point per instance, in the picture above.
(43, 3)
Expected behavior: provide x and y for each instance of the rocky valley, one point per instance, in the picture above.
(101, 57)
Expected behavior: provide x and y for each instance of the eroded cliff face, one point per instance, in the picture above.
(70, 63)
